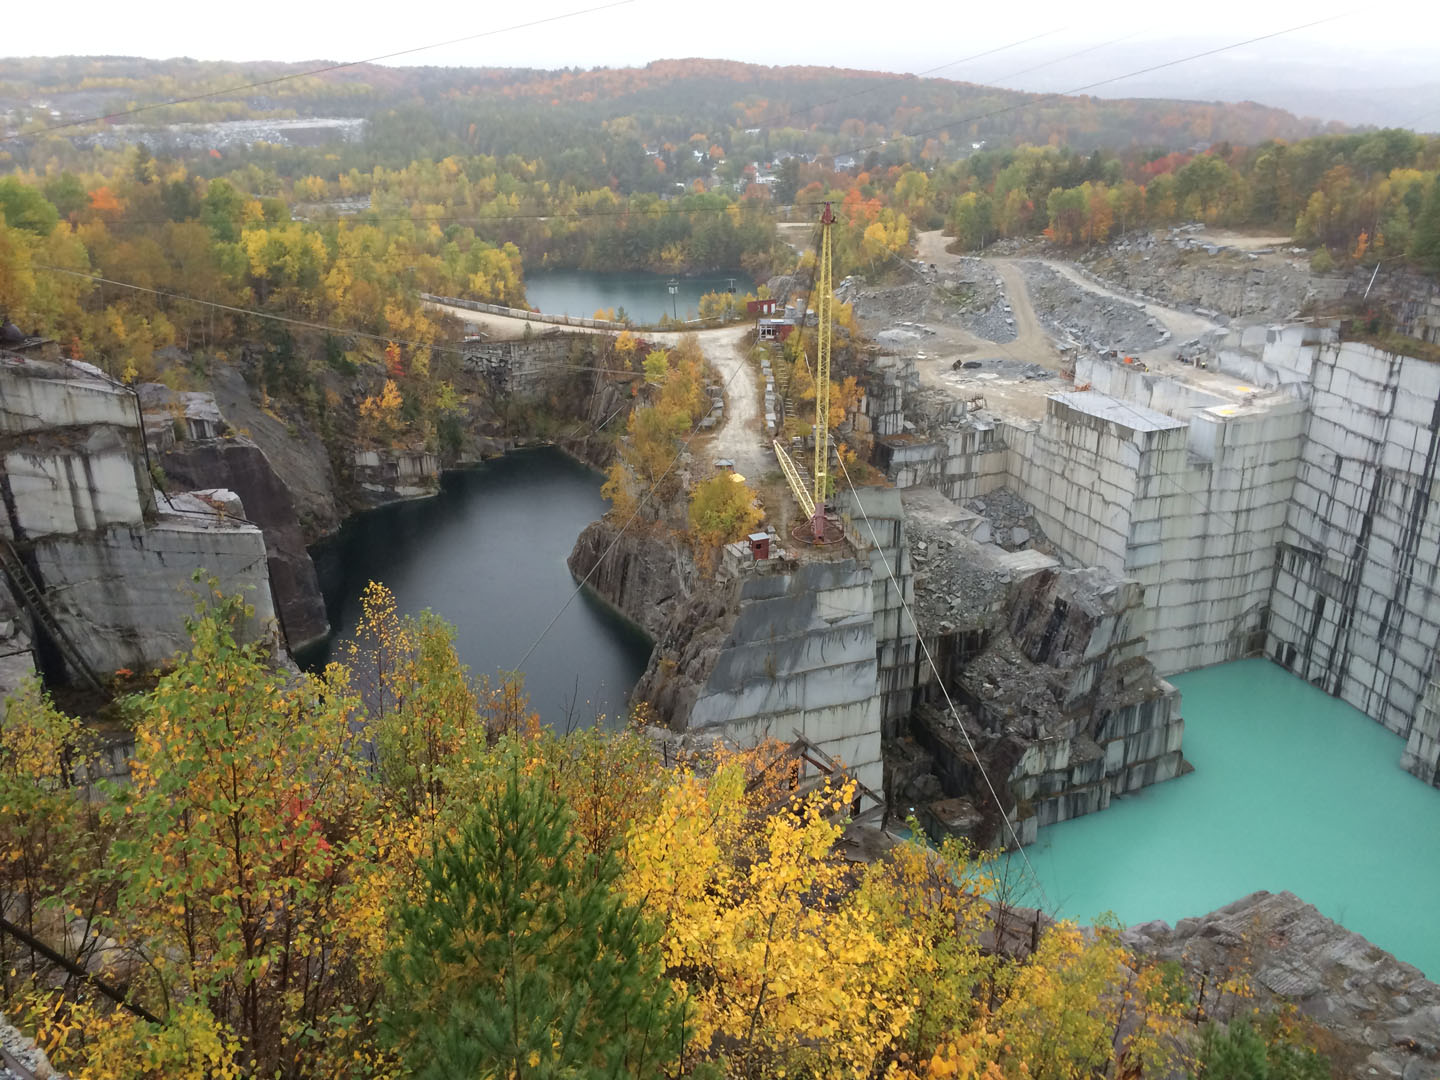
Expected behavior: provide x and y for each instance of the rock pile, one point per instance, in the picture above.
(953, 588)
(1098, 322)
(1009, 522)
(1181, 271)
(974, 297)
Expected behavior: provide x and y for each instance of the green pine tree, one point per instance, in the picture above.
(1425, 240)
(1247, 1051)
(523, 961)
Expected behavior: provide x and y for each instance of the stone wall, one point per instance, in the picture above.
(1356, 602)
(390, 475)
(238, 465)
(1294, 514)
(123, 594)
(79, 511)
(800, 658)
(875, 520)
(1422, 748)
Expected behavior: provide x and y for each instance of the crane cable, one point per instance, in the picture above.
(939, 680)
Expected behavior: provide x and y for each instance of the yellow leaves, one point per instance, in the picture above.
(381, 412)
(779, 969)
(722, 511)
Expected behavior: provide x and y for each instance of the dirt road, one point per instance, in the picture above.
(1182, 325)
(1032, 344)
(740, 436)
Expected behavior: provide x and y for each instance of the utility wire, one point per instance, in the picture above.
(939, 680)
(316, 71)
(640, 503)
(364, 218)
(790, 111)
(1099, 82)
(307, 324)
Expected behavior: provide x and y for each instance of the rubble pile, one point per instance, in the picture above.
(1009, 522)
(1182, 270)
(972, 297)
(1056, 698)
(954, 589)
(1099, 323)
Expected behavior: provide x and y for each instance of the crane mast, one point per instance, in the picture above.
(813, 502)
(824, 303)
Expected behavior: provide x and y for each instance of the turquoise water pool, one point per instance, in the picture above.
(1292, 789)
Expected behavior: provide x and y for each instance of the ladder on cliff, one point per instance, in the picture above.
(826, 768)
(33, 598)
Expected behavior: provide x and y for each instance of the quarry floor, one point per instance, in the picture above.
(1004, 377)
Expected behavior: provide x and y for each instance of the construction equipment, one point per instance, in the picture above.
(813, 501)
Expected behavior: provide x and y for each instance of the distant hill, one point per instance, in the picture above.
(499, 110)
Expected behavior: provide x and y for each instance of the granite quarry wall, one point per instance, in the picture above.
(81, 517)
(1296, 514)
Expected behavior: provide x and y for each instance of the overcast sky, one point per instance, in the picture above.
(1364, 54)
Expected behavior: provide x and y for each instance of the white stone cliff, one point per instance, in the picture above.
(81, 517)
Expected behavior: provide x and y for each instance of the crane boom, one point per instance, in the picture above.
(813, 504)
(824, 305)
(792, 477)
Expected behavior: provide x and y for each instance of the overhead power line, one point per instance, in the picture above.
(1099, 82)
(880, 84)
(345, 331)
(317, 71)
(481, 219)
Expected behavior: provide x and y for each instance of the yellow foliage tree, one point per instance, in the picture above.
(380, 413)
(722, 511)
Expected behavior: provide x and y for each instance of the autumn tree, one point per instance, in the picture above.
(971, 220)
(519, 959)
(722, 511)
(380, 413)
(1425, 246)
(243, 827)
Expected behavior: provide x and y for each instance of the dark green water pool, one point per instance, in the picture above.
(488, 553)
(1292, 789)
(644, 296)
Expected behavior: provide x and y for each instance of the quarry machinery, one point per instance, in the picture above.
(812, 502)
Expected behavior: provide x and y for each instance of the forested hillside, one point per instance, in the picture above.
(592, 125)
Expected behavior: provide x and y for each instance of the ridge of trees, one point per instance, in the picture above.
(1359, 196)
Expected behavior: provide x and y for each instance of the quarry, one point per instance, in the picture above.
(1074, 497)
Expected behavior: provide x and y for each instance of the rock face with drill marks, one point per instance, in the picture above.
(79, 511)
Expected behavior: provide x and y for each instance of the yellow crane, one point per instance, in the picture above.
(813, 502)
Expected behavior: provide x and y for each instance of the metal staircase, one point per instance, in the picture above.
(33, 598)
